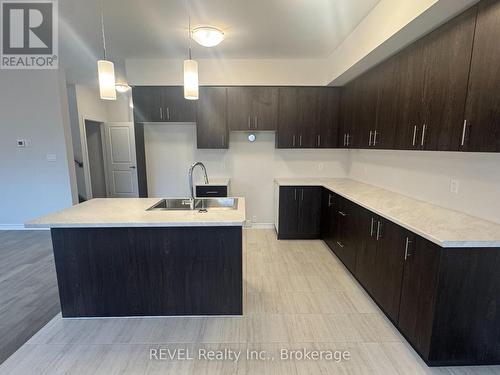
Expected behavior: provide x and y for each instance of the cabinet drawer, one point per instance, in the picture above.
(211, 191)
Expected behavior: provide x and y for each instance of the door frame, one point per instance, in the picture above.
(85, 154)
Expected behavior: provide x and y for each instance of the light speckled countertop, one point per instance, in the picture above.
(131, 212)
(442, 226)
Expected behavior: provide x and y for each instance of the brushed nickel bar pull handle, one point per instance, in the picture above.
(371, 227)
(300, 140)
(161, 113)
(375, 138)
(338, 243)
(295, 192)
(414, 135)
(330, 200)
(379, 225)
(319, 140)
(423, 134)
(463, 132)
(370, 140)
(345, 137)
(249, 122)
(342, 213)
(348, 139)
(168, 113)
(302, 197)
(294, 140)
(255, 122)
(406, 248)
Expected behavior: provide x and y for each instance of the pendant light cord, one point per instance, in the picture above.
(189, 29)
(102, 29)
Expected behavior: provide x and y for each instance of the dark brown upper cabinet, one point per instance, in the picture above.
(481, 131)
(446, 61)
(211, 128)
(307, 117)
(252, 108)
(162, 104)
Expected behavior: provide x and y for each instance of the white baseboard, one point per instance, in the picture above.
(18, 227)
(260, 226)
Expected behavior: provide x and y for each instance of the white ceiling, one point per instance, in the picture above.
(258, 29)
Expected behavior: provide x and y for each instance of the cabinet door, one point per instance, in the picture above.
(387, 105)
(309, 198)
(211, 126)
(329, 203)
(327, 128)
(391, 240)
(308, 111)
(287, 118)
(147, 103)
(418, 292)
(366, 111)
(239, 108)
(447, 55)
(366, 260)
(348, 233)
(482, 131)
(264, 108)
(174, 107)
(409, 117)
(288, 221)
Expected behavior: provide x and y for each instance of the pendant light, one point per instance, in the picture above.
(105, 69)
(191, 91)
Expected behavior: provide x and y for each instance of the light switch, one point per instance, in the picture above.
(51, 157)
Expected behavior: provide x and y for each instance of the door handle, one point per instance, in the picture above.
(168, 113)
(295, 193)
(372, 227)
(423, 135)
(342, 213)
(300, 140)
(414, 135)
(463, 132)
(294, 140)
(161, 113)
(345, 137)
(330, 200)
(375, 137)
(407, 254)
(370, 140)
(319, 140)
(302, 193)
(338, 243)
(348, 139)
(379, 227)
(249, 122)
(256, 123)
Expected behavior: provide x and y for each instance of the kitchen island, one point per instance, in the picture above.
(114, 257)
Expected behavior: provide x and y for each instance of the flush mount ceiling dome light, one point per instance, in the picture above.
(208, 36)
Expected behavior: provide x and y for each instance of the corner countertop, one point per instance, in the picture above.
(131, 212)
(444, 227)
(224, 181)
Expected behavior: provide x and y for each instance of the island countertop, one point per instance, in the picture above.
(132, 212)
(445, 227)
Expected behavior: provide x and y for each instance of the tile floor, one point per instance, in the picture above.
(297, 296)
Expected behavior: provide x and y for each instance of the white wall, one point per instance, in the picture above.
(252, 167)
(427, 175)
(229, 72)
(33, 106)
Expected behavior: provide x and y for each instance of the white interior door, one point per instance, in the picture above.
(121, 164)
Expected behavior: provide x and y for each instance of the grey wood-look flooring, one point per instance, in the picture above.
(297, 296)
(28, 287)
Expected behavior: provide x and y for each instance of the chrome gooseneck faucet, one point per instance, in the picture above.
(191, 186)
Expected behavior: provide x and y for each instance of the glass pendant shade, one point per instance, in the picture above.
(106, 72)
(190, 80)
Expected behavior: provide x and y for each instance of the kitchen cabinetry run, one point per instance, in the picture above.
(307, 117)
(443, 300)
(299, 212)
(252, 108)
(211, 126)
(162, 104)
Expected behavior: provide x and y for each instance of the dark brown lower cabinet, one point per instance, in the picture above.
(299, 212)
(445, 301)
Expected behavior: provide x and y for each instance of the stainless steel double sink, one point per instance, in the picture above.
(208, 204)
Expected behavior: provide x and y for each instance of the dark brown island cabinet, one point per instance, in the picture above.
(443, 300)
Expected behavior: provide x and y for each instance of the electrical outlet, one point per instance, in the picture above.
(454, 185)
